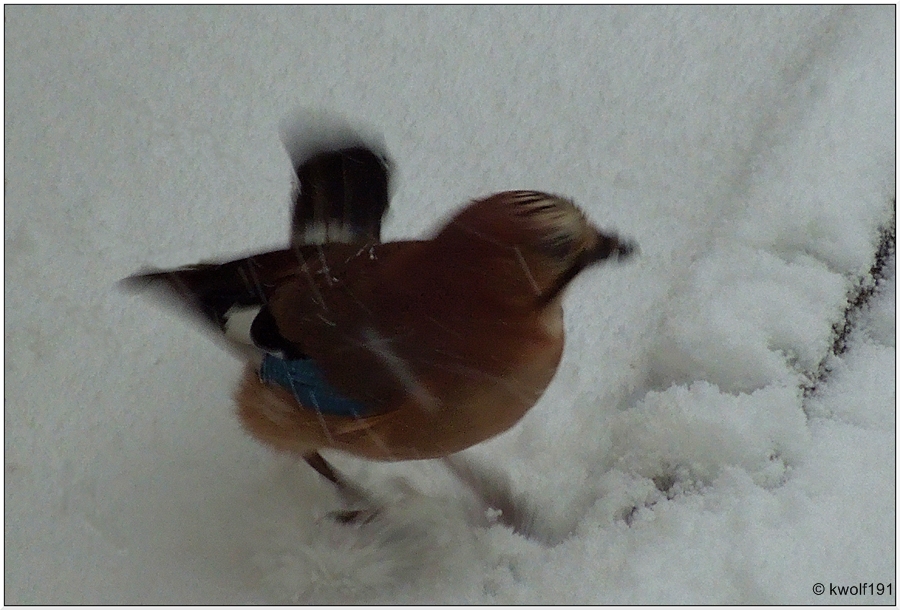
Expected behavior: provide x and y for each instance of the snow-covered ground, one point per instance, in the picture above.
(750, 152)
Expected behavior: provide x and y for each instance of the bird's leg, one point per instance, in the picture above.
(494, 492)
(348, 490)
(325, 469)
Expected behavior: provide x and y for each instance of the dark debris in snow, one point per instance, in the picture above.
(857, 300)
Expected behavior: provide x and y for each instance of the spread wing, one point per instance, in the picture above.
(341, 198)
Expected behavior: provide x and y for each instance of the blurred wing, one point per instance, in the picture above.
(341, 198)
(342, 195)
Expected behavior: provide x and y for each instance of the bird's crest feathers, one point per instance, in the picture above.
(561, 223)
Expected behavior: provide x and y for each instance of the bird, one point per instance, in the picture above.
(399, 350)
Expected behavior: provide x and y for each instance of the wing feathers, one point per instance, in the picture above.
(342, 197)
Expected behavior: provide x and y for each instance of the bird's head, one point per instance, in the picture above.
(542, 240)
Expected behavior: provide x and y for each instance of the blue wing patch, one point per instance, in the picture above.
(304, 380)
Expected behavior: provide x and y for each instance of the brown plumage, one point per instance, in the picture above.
(442, 343)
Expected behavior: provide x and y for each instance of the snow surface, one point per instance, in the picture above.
(749, 150)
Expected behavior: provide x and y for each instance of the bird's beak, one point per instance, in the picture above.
(610, 246)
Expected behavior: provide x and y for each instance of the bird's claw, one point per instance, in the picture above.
(360, 516)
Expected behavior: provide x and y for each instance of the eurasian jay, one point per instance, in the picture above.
(393, 351)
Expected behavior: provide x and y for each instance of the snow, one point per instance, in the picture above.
(674, 459)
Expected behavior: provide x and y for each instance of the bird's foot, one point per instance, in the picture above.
(358, 516)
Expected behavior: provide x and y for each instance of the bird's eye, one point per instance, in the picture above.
(559, 247)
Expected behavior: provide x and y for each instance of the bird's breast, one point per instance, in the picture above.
(445, 366)
(455, 400)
